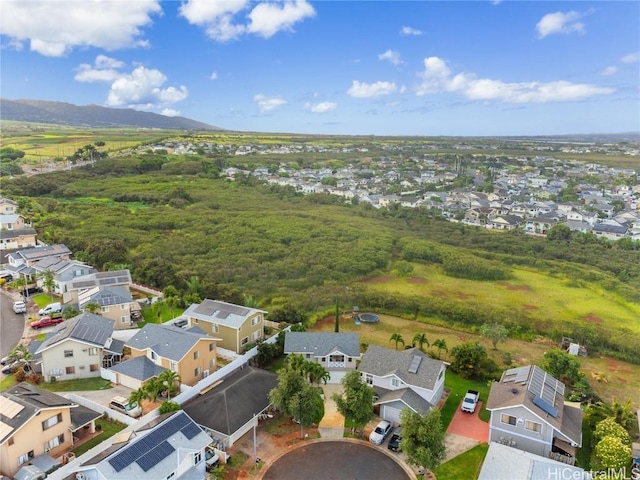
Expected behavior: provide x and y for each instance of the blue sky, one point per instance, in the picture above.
(336, 67)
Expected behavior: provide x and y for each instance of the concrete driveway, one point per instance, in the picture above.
(103, 397)
(332, 424)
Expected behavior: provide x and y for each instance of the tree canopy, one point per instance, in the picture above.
(422, 438)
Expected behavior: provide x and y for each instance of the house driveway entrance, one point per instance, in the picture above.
(469, 425)
(332, 424)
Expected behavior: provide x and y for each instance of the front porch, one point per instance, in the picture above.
(562, 451)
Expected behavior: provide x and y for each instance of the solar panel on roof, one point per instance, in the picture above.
(415, 364)
(206, 309)
(546, 406)
(123, 279)
(107, 281)
(155, 456)
(83, 284)
(191, 430)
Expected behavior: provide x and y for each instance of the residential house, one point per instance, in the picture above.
(611, 230)
(36, 423)
(505, 222)
(402, 379)
(541, 224)
(78, 348)
(337, 352)
(29, 256)
(191, 353)
(479, 215)
(234, 325)
(528, 412)
(8, 206)
(171, 446)
(230, 408)
(15, 232)
(83, 283)
(115, 303)
(63, 272)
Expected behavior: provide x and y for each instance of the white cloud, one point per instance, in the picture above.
(54, 29)
(170, 112)
(631, 58)
(367, 90)
(609, 70)
(213, 76)
(266, 104)
(265, 19)
(142, 88)
(496, 2)
(321, 107)
(437, 78)
(104, 69)
(392, 56)
(410, 31)
(560, 22)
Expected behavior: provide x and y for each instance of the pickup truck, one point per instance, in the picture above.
(470, 401)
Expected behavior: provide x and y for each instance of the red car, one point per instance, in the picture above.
(46, 322)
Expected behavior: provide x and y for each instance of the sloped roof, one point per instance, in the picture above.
(166, 340)
(140, 368)
(86, 327)
(322, 343)
(106, 296)
(406, 396)
(17, 232)
(383, 362)
(222, 313)
(101, 279)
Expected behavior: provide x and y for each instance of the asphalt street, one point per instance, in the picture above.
(11, 324)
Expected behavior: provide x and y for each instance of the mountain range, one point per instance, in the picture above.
(61, 113)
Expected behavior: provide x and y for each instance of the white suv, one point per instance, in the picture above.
(380, 432)
(19, 307)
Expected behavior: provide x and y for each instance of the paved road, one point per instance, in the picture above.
(11, 324)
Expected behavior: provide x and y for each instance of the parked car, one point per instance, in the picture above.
(380, 432)
(46, 322)
(394, 441)
(9, 368)
(31, 291)
(51, 308)
(181, 323)
(211, 458)
(122, 405)
(19, 307)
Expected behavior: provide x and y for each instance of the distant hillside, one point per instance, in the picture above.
(60, 113)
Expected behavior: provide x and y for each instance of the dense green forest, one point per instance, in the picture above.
(171, 221)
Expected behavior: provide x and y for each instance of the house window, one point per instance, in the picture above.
(255, 320)
(94, 367)
(509, 419)
(368, 378)
(245, 340)
(336, 358)
(25, 458)
(216, 328)
(93, 351)
(68, 353)
(212, 363)
(123, 306)
(153, 355)
(350, 360)
(533, 426)
(54, 442)
(104, 309)
(196, 371)
(196, 355)
(212, 347)
(174, 366)
(197, 458)
(125, 319)
(50, 422)
(256, 335)
(70, 370)
(395, 382)
(194, 320)
(324, 359)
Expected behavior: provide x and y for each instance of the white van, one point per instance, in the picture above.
(51, 308)
(122, 405)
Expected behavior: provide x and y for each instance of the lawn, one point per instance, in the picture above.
(159, 312)
(42, 299)
(459, 387)
(109, 429)
(95, 383)
(465, 466)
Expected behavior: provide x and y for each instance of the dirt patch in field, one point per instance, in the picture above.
(592, 318)
(416, 280)
(620, 379)
(615, 367)
(440, 293)
(377, 280)
(529, 307)
(462, 295)
(511, 286)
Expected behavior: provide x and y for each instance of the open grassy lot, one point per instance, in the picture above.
(465, 466)
(95, 383)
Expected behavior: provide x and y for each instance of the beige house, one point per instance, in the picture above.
(236, 326)
(115, 303)
(190, 353)
(35, 422)
(15, 231)
(81, 284)
(77, 348)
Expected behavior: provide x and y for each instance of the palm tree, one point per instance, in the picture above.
(317, 373)
(396, 337)
(420, 339)
(48, 282)
(92, 307)
(152, 388)
(137, 396)
(440, 344)
(297, 363)
(169, 377)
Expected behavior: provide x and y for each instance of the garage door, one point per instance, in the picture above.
(336, 377)
(391, 414)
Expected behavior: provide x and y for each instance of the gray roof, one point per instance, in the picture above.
(507, 463)
(222, 313)
(231, 404)
(383, 362)
(43, 251)
(101, 279)
(17, 232)
(405, 395)
(166, 340)
(140, 368)
(115, 295)
(81, 416)
(116, 346)
(86, 327)
(321, 344)
(30, 400)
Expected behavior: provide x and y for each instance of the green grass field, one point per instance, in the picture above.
(465, 466)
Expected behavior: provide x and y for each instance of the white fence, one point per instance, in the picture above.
(109, 412)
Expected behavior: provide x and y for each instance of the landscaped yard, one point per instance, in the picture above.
(95, 383)
(159, 312)
(465, 466)
(459, 387)
(109, 429)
